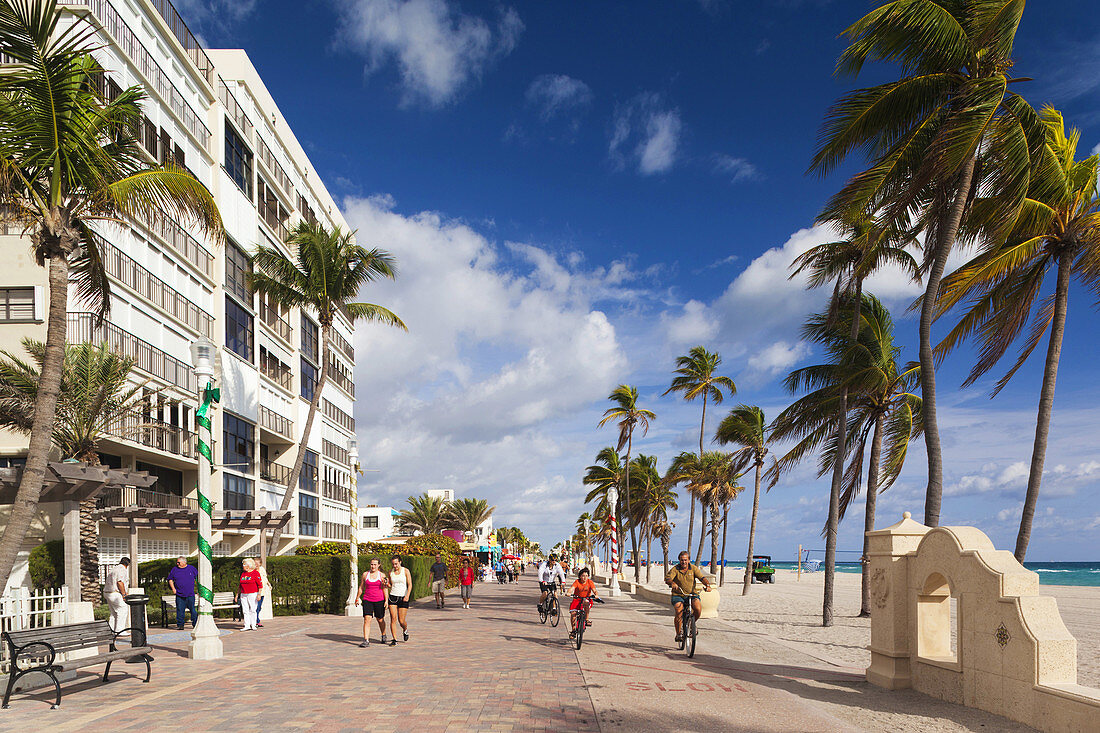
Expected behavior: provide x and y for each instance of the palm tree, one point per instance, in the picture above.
(328, 271)
(694, 378)
(606, 473)
(662, 530)
(713, 480)
(1058, 229)
(95, 397)
(466, 515)
(656, 498)
(745, 426)
(629, 416)
(71, 158)
(584, 534)
(426, 514)
(868, 243)
(924, 134)
(723, 496)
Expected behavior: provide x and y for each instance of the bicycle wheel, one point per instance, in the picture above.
(683, 629)
(555, 616)
(582, 620)
(542, 612)
(690, 633)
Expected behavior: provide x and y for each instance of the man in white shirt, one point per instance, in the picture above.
(114, 592)
(549, 572)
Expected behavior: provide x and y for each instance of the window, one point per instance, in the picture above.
(309, 379)
(307, 479)
(370, 522)
(13, 462)
(310, 339)
(16, 305)
(308, 515)
(238, 329)
(238, 160)
(237, 493)
(237, 267)
(168, 480)
(239, 443)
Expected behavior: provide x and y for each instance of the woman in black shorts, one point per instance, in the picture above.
(400, 589)
(372, 592)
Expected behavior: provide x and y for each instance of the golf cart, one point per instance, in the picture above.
(762, 570)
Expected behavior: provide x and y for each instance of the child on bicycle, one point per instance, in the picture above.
(582, 588)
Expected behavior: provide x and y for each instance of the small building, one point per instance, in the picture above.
(377, 522)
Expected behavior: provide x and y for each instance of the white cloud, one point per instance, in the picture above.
(646, 132)
(555, 94)
(438, 49)
(738, 169)
(778, 357)
(214, 20)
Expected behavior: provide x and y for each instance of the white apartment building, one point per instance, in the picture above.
(210, 111)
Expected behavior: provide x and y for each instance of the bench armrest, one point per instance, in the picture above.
(131, 629)
(17, 651)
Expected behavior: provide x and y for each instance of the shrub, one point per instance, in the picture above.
(430, 544)
(47, 565)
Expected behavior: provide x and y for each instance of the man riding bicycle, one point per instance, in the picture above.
(549, 573)
(682, 579)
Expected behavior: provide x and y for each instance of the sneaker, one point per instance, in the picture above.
(383, 638)
(679, 638)
(393, 642)
(406, 634)
(259, 626)
(365, 644)
(572, 634)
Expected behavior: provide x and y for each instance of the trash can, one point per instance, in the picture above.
(137, 603)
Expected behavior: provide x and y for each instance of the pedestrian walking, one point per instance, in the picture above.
(498, 567)
(466, 575)
(439, 581)
(181, 580)
(250, 584)
(400, 589)
(509, 571)
(372, 592)
(265, 589)
(114, 592)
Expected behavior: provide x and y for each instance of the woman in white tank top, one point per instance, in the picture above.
(400, 589)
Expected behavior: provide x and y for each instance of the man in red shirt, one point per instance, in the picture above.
(466, 577)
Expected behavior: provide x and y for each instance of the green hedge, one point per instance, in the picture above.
(47, 565)
(301, 583)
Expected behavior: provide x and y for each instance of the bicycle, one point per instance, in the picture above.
(688, 629)
(580, 620)
(549, 609)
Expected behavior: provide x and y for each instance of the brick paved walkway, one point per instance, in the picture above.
(491, 668)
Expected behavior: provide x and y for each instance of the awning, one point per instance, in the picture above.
(161, 518)
(72, 481)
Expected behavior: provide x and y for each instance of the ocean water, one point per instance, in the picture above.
(1050, 573)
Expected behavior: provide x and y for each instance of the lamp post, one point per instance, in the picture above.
(206, 640)
(613, 503)
(351, 608)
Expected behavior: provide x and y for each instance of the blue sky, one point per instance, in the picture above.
(578, 192)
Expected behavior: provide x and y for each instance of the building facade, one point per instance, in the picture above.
(210, 111)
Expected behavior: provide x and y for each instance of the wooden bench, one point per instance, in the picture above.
(222, 600)
(39, 649)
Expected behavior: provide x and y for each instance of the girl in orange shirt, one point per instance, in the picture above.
(582, 588)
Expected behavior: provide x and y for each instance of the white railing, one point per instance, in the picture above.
(22, 608)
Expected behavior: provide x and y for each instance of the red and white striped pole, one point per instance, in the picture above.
(613, 502)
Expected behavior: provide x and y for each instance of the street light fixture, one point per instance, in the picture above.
(352, 608)
(206, 640)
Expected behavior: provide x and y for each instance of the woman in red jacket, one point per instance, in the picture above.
(466, 577)
(250, 585)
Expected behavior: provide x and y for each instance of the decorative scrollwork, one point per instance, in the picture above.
(1002, 635)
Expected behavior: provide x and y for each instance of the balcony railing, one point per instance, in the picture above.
(276, 423)
(123, 268)
(340, 375)
(152, 433)
(275, 370)
(335, 452)
(334, 491)
(182, 241)
(113, 23)
(128, 496)
(275, 473)
(341, 343)
(233, 107)
(186, 38)
(269, 160)
(148, 358)
(335, 531)
(338, 416)
(278, 324)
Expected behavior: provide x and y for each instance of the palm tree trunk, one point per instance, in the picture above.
(664, 551)
(752, 529)
(833, 522)
(45, 414)
(1046, 402)
(648, 552)
(691, 497)
(702, 530)
(296, 472)
(89, 550)
(869, 515)
(630, 517)
(725, 530)
(945, 239)
(714, 539)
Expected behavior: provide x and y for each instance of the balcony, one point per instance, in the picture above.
(334, 491)
(181, 240)
(128, 496)
(275, 370)
(152, 433)
(335, 452)
(186, 38)
(148, 358)
(124, 269)
(338, 416)
(275, 322)
(341, 343)
(276, 423)
(339, 375)
(274, 473)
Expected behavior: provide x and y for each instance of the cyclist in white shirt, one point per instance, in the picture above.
(549, 572)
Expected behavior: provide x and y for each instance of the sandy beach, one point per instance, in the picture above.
(790, 611)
